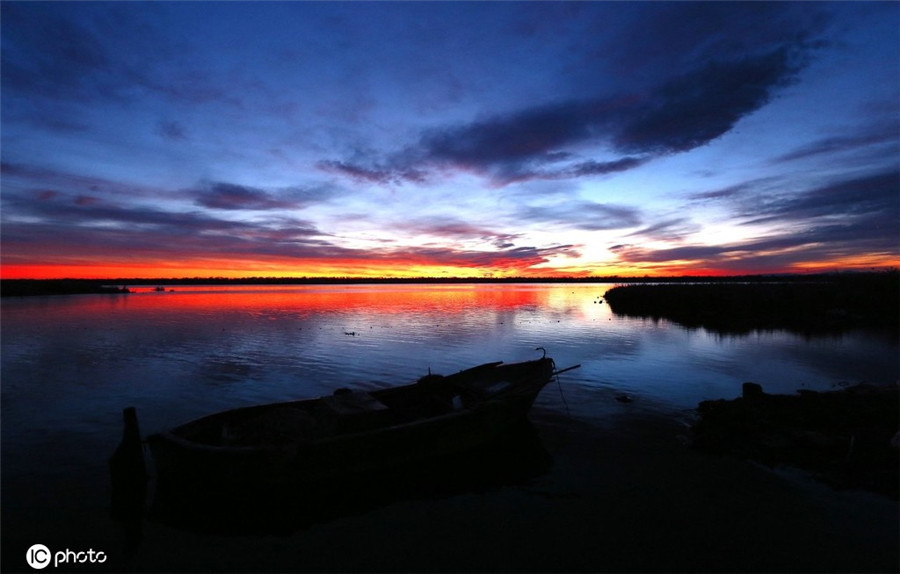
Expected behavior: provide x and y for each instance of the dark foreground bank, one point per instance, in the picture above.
(626, 495)
(832, 304)
(848, 438)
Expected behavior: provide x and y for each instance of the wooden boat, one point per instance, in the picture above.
(351, 432)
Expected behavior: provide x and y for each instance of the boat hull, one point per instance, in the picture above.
(283, 508)
(359, 451)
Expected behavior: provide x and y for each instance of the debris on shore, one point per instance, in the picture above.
(846, 438)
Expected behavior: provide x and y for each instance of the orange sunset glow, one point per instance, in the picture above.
(353, 269)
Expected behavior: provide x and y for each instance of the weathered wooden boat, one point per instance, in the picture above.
(351, 431)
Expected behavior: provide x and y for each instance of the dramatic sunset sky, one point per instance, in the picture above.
(448, 139)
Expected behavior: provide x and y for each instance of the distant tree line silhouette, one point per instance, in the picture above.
(20, 287)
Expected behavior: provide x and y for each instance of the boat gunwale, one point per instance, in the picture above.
(296, 446)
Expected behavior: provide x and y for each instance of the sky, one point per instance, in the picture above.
(465, 139)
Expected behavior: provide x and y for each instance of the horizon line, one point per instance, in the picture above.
(454, 279)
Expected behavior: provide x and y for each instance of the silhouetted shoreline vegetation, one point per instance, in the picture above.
(31, 287)
(810, 304)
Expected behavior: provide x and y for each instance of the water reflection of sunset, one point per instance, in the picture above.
(374, 299)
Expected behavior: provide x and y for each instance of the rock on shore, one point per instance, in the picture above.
(846, 438)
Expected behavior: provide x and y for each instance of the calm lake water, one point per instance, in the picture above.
(71, 363)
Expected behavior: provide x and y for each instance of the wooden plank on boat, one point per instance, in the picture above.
(346, 402)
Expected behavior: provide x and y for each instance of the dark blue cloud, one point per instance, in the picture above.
(84, 226)
(691, 110)
(221, 195)
(67, 209)
(680, 114)
(515, 258)
(231, 196)
(674, 229)
(22, 180)
(867, 195)
(698, 69)
(665, 38)
(526, 136)
(583, 215)
(456, 230)
(374, 174)
(880, 139)
(592, 167)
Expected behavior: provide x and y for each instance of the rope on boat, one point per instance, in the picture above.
(559, 385)
(556, 374)
(562, 396)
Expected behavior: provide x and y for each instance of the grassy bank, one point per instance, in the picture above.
(33, 287)
(830, 304)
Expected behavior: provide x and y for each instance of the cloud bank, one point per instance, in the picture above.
(682, 113)
(529, 138)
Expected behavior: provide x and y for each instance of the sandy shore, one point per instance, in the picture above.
(627, 496)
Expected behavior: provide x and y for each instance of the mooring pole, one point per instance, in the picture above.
(127, 470)
(128, 474)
